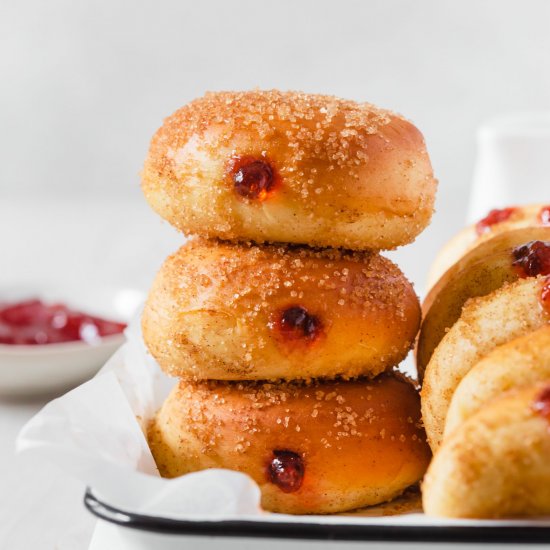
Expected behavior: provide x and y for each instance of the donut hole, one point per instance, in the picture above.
(493, 217)
(252, 178)
(286, 470)
(295, 322)
(532, 259)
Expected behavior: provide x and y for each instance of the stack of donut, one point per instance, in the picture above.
(484, 353)
(279, 316)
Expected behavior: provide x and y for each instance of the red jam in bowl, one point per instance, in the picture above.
(33, 322)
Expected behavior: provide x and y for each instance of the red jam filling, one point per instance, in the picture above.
(296, 323)
(32, 322)
(545, 295)
(286, 470)
(253, 178)
(532, 259)
(544, 215)
(541, 405)
(493, 217)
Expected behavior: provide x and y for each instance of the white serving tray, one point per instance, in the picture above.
(95, 432)
(408, 527)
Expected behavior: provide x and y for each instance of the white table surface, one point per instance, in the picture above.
(61, 241)
(95, 241)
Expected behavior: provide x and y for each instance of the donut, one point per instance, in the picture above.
(510, 255)
(314, 447)
(497, 221)
(225, 311)
(487, 322)
(496, 463)
(521, 362)
(271, 166)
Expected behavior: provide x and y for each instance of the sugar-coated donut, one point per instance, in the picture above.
(497, 221)
(487, 322)
(227, 311)
(520, 362)
(497, 463)
(523, 252)
(313, 447)
(291, 167)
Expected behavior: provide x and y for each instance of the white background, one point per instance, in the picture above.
(84, 84)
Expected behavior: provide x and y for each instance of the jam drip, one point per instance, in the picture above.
(296, 323)
(252, 178)
(532, 259)
(286, 470)
(33, 322)
(545, 295)
(544, 215)
(493, 217)
(541, 404)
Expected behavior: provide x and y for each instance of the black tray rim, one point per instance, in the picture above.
(314, 531)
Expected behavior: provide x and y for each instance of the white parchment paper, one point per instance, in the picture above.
(95, 433)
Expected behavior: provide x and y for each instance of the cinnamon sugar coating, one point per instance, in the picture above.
(530, 215)
(495, 464)
(215, 312)
(360, 442)
(280, 347)
(486, 323)
(351, 175)
(514, 364)
(509, 255)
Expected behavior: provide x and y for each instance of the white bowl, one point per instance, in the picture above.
(42, 369)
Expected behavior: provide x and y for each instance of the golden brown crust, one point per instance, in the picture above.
(468, 238)
(215, 311)
(352, 175)
(485, 323)
(360, 442)
(521, 362)
(496, 463)
(484, 269)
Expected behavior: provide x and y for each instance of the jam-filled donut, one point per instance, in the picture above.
(520, 362)
(496, 463)
(227, 311)
(291, 167)
(494, 223)
(487, 322)
(506, 257)
(313, 447)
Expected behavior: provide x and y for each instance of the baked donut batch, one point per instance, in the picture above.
(484, 355)
(279, 316)
(284, 324)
